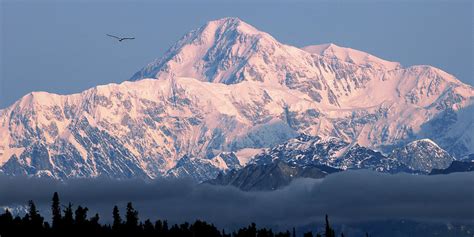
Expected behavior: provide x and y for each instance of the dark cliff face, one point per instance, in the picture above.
(269, 176)
(456, 166)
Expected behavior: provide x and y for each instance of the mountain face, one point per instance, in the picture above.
(315, 157)
(254, 177)
(139, 129)
(333, 152)
(423, 155)
(359, 97)
(228, 87)
(420, 156)
(456, 166)
(205, 169)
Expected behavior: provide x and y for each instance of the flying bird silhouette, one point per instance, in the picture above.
(120, 38)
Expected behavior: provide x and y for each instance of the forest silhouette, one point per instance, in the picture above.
(69, 222)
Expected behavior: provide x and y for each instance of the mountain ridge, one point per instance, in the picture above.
(226, 87)
(329, 81)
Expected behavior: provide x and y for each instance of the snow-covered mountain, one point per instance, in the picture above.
(332, 152)
(315, 157)
(420, 156)
(205, 169)
(423, 155)
(356, 96)
(139, 129)
(228, 87)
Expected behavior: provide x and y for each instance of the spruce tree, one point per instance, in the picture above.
(68, 219)
(148, 227)
(6, 223)
(131, 216)
(95, 219)
(159, 227)
(165, 227)
(81, 215)
(7, 217)
(95, 225)
(329, 232)
(56, 211)
(252, 229)
(35, 219)
(117, 220)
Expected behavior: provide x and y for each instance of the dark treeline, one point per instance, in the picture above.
(70, 222)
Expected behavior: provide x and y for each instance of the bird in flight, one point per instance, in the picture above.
(120, 38)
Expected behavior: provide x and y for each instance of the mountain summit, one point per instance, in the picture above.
(215, 52)
(385, 102)
(423, 155)
(228, 87)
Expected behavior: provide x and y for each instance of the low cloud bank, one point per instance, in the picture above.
(346, 196)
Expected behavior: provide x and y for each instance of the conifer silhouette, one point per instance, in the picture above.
(76, 223)
(56, 211)
(308, 234)
(117, 220)
(329, 232)
(131, 218)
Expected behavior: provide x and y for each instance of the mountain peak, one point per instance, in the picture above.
(425, 141)
(215, 52)
(225, 21)
(229, 19)
(223, 29)
(423, 155)
(230, 24)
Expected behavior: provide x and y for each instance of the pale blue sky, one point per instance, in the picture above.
(61, 47)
